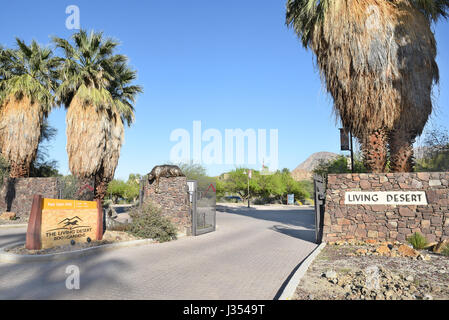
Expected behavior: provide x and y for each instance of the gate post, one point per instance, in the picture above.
(320, 202)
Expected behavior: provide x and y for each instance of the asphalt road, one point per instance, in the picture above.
(250, 256)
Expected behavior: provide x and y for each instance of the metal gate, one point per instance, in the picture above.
(320, 202)
(203, 198)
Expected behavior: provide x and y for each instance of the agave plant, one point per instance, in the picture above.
(98, 96)
(27, 81)
(377, 60)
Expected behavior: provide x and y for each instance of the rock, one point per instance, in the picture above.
(389, 295)
(383, 250)
(406, 251)
(361, 251)
(409, 278)
(427, 297)
(424, 257)
(8, 216)
(440, 246)
(110, 212)
(330, 275)
(435, 183)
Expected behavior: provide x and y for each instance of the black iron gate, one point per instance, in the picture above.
(320, 201)
(202, 195)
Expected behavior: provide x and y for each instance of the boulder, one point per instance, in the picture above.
(440, 246)
(406, 251)
(8, 216)
(383, 250)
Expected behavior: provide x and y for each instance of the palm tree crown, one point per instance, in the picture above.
(29, 71)
(95, 75)
(304, 15)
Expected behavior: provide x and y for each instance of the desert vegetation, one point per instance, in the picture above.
(90, 80)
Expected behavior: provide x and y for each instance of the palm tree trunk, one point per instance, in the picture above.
(374, 148)
(19, 170)
(101, 187)
(401, 151)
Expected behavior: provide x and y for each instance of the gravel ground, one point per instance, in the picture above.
(339, 273)
(20, 220)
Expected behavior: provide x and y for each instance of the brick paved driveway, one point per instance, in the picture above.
(250, 256)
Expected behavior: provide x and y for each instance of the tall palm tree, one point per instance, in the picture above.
(377, 59)
(97, 94)
(27, 80)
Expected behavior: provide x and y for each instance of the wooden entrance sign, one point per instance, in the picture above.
(56, 222)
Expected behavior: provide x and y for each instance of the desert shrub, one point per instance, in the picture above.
(445, 250)
(148, 222)
(418, 241)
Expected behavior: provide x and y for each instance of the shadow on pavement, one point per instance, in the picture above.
(10, 238)
(47, 280)
(307, 235)
(302, 218)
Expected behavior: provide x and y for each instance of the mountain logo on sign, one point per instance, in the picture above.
(70, 224)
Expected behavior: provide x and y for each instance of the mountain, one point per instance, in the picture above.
(304, 170)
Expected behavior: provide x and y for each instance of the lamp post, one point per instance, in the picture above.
(346, 144)
(250, 172)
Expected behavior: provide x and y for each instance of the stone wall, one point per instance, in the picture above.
(387, 222)
(16, 195)
(173, 199)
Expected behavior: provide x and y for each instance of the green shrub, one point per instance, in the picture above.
(418, 241)
(148, 222)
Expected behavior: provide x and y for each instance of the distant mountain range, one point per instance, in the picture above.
(304, 170)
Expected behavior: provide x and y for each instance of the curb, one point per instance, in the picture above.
(15, 258)
(290, 289)
(10, 226)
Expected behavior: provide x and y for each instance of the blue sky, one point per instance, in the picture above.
(229, 64)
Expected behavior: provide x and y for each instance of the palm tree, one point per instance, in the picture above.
(27, 80)
(377, 59)
(97, 94)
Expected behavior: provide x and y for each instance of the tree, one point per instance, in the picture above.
(42, 166)
(338, 165)
(435, 151)
(132, 187)
(268, 188)
(27, 80)
(97, 92)
(193, 171)
(377, 60)
(117, 189)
